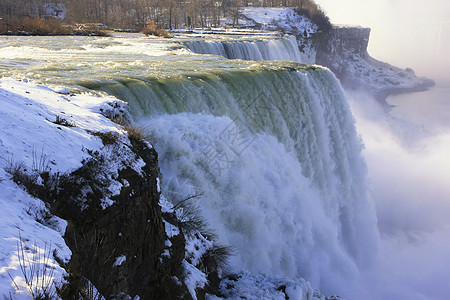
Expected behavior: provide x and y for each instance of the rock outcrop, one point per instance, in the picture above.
(344, 51)
(127, 241)
(119, 248)
(116, 230)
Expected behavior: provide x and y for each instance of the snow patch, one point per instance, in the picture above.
(171, 230)
(62, 90)
(158, 186)
(119, 260)
(193, 278)
(31, 108)
(285, 18)
(20, 229)
(255, 287)
(47, 130)
(166, 205)
(196, 247)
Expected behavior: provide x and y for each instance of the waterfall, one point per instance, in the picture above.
(273, 49)
(275, 153)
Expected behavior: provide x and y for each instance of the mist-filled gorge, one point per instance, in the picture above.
(407, 149)
(404, 33)
(407, 157)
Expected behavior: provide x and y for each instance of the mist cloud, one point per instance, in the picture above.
(406, 33)
(407, 151)
(409, 167)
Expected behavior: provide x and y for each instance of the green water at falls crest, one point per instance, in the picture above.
(276, 154)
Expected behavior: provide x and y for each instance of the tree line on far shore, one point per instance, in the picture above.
(137, 14)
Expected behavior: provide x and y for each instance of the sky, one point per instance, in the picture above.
(406, 33)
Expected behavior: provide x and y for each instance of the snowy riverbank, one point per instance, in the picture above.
(33, 139)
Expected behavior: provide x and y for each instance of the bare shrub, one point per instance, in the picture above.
(315, 13)
(61, 121)
(40, 214)
(19, 173)
(215, 258)
(191, 220)
(152, 29)
(34, 26)
(36, 270)
(135, 133)
(90, 291)
(118, 119)
(40, 162)
(108, 138)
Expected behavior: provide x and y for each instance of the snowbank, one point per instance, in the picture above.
(41, 125)
(51, 130)
(42, 130)
(285, 18)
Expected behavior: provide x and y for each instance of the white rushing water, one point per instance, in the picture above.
(273, 49)
(278, 160)
(272, 145)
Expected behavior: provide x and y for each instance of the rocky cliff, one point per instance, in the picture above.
(102, 178)
(126, 244)
(119, 249)
(344, 51)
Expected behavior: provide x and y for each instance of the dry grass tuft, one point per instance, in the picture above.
(33, 26)
(152, 29)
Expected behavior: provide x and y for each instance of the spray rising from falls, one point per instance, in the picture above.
(275, 152)
(273, 49)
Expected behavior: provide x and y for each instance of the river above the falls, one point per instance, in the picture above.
(67, 60)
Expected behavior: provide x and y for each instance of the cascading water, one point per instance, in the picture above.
(273, 49)
(275, 152)
(272, 144)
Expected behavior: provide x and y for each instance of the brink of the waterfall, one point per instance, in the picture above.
(217, 166)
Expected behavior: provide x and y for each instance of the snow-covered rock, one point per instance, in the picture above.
(344, 51)
(55, 10)
(33, 141)
(104, 181)
(258, 286)
(280, 18)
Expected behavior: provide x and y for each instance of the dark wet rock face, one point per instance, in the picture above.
(119, 248)
(126, 240)
(117, 238)
(340, 40)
